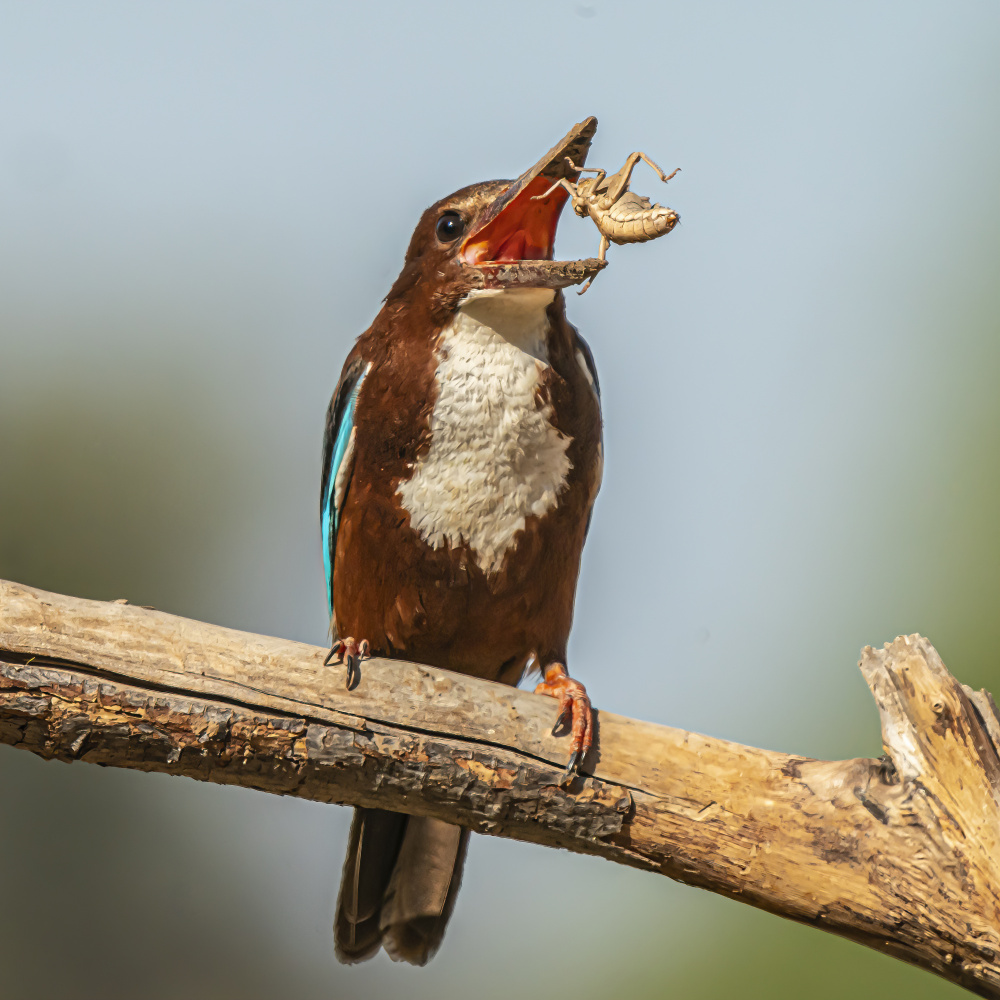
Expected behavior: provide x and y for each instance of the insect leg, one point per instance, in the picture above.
(600, 174)
(663, 177)
(618, 183)
(583, 170)
(602, 253)
(562, 182)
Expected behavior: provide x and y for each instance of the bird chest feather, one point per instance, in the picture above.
(495, 457)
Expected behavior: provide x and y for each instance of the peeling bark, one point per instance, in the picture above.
(901, 854)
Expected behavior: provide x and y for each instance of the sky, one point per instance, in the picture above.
(202, 205)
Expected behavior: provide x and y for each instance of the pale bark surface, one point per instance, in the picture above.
(901, 854)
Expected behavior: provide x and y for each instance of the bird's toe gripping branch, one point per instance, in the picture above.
(350, 651)
(574, 703)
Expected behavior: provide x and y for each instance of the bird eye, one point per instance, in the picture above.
(449, 227)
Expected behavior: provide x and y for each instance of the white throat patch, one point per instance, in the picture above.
(494, 455)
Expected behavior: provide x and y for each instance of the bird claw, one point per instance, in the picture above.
(574, 703)
(351, 652)
(571, 765)
(561, 717)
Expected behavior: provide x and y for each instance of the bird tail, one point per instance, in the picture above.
(401, 877)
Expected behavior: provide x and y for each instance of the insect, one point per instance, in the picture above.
(621, 216)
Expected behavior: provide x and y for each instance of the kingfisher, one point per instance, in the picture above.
(462, 458)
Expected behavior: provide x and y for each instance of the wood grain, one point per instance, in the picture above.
(901, 854)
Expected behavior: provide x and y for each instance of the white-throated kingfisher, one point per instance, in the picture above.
(462, 459)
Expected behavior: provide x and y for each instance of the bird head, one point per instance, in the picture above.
(499, 235)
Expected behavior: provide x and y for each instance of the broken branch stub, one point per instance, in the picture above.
(942, 741)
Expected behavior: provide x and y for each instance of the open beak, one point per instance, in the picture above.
(512, 245)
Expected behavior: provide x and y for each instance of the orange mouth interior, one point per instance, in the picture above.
(524, 230)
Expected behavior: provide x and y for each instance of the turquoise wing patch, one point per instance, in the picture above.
(339, 441)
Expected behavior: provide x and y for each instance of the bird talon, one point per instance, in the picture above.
(351, 653)
(574, 705)
(571, 767)
(561, 717)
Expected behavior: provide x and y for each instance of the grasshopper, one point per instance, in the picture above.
(621, 216)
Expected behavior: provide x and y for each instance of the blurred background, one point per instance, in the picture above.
(201, 206)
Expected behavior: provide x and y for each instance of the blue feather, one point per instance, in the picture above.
(330, 514)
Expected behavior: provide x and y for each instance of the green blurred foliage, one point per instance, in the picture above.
(749, 955)
(938, 533)
(112, 489)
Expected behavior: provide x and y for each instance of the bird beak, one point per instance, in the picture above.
(512, 244)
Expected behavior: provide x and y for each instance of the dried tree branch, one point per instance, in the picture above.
(901, 854)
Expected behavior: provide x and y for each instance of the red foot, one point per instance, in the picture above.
(352, 652)
(573, 699)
